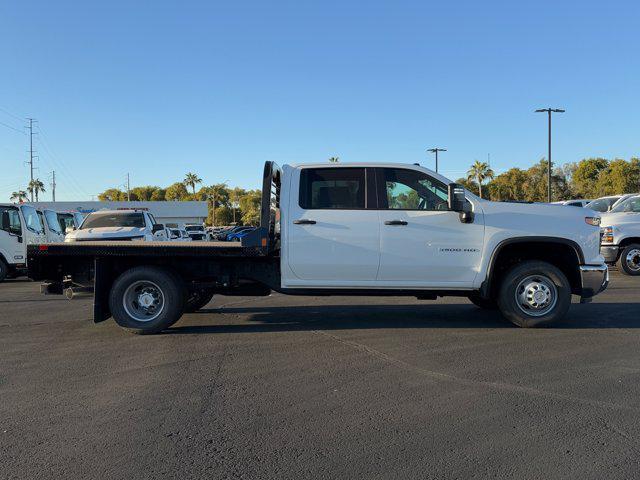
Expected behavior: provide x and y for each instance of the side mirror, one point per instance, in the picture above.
(458, 203)
(457, 200)
(157, 227)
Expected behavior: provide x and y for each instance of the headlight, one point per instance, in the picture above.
(595, 221)
(606, 235)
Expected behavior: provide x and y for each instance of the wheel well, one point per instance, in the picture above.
(629, 241)
(562, 255)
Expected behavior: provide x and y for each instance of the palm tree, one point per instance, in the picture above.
(480, 171)
(35, 187)
(19, 196)
(191, 180)
(334, 159)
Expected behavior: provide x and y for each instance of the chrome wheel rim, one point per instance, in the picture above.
(536, 295)
(143, 301)
(633, 259)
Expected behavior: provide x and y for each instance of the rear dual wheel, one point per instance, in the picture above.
(147, 299)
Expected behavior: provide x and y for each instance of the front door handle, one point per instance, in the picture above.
(304, 221)
(395, 222)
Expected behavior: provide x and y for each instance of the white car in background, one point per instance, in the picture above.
(620, 235)
(606, 204)
(179, 235)
(118, 225)
(573, 203)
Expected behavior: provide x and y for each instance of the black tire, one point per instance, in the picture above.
(152, 283)
(629, 261)
(4, 270)
(521, 285)
(486, 303)
(198, 298)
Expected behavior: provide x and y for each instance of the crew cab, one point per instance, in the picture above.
(118, 225)
(620, 237)
(20, 226)
(349, 229)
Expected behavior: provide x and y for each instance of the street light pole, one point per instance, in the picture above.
(550, 165)
(436, 150)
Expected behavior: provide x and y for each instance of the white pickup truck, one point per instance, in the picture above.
(20, 225)
(621, 236)
(118, 225)
(350, 229)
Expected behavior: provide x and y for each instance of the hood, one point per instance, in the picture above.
(107, 232)
(619, 218)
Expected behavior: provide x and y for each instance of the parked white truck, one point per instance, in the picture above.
(350, 229)
(20, 226)
(118, 225)
(621, 236)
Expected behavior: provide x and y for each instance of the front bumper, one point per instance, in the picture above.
(595, 279)
(610, 253)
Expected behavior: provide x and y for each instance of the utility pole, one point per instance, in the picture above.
(436, 150)
(550, 166)
(31, 157)
(53, 186)
(128, 189)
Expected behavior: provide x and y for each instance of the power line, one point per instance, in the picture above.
(12, 114)
(12, 128)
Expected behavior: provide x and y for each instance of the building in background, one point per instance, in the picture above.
(172, 214)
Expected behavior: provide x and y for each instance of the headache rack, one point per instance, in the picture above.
(267, 235)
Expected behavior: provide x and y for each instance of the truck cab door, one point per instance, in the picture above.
(12, 242)
(333, 236)
(422, 243)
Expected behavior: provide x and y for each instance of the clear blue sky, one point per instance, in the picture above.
(161, 88)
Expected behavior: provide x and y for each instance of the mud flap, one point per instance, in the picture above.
(103, 280)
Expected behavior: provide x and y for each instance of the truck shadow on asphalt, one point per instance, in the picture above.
(341, 317)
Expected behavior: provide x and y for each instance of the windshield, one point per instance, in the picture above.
(631, 204)
(602, 204)
(194, 228)
(31, 219)
(52, 221)
(99, 220)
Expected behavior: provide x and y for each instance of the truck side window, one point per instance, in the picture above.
(413, 190)
(10, 220)
(332, 188)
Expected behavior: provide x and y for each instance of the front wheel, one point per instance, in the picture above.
(146, 299)
(534, 293)
(629, 261)
(4, 270)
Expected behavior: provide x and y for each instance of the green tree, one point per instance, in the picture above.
(468, 185)
(158, 195)
(176, 192)
(234, 199)
(250, 206)
(334, 159)
(144, 193)
(620, 177)
(35, 187)
(112, 195)
(19, 196)
(191, 180)
(479, 172)
(508, 185)
(585, 178)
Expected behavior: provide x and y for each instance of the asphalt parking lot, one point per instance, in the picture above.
(306, 387)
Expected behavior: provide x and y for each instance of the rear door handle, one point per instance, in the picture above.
(395, 222)
(304, 221)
